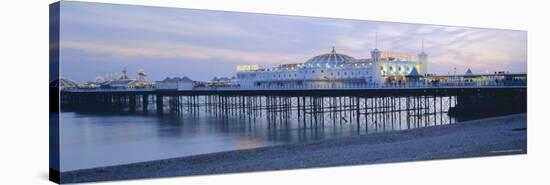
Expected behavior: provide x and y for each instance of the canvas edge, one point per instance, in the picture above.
(54, 36)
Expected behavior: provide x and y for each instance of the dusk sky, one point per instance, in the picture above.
(99, 39)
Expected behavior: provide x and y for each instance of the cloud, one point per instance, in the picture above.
(135, 50)
(149, 20)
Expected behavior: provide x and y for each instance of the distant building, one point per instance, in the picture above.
(123, 81)
(222, 82)
(413, 76)
(176, 83)
(469, 72)
(63, 83)
(89, 85)
(117, 84)
(247, 67)
(470, 77)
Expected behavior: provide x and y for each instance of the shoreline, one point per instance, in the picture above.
(494, 136)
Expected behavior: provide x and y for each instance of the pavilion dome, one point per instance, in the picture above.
(328, 59)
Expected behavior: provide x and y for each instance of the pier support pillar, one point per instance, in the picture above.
(160, 105)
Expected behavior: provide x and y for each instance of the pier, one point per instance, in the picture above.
(414, 106)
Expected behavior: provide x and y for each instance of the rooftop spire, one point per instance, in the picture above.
(422, 44)
(376, 40)
(333, 51)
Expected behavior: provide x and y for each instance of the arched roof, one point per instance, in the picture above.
(328, 59)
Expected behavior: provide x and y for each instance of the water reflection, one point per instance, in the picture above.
(126, 135)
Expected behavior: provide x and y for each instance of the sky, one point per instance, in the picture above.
(102, 39)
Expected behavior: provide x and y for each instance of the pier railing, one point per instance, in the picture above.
(350, 86)
(369, 86)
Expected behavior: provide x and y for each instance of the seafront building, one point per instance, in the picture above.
(333, 69)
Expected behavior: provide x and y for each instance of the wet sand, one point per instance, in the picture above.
(502, 135)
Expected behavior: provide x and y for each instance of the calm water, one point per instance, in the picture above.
(97, 139)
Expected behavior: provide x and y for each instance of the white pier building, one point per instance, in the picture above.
(335, 69)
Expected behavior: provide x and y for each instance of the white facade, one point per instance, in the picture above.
(329, 69)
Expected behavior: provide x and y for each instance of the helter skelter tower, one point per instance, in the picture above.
(422, 65)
